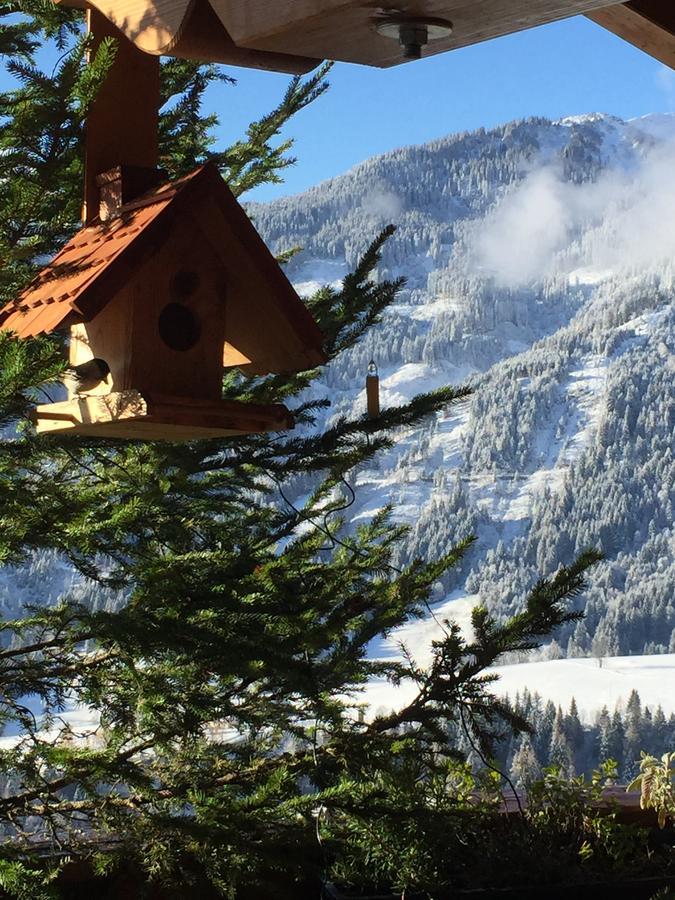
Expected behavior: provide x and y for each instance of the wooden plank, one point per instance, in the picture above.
(647, 24)
(195, 371)
(225, 222)
(373, 396)
(254, 19)
(107, 336)
(122, 125)
(255, 325)
(204, 37)
(152, 25)
(291, 35)
(130, 415)
(188, 29)
(89, 410)
(344, 29)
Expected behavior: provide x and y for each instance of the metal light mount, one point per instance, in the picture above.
(411, 32)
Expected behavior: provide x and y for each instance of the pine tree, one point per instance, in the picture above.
(615, 739)
(659, 733)
(634, 734)
(575, 736)
(226, 684)
(603, 744)
(561, 754)
(544, 733)
(524, 768)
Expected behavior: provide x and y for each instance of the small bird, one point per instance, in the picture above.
(87, 375)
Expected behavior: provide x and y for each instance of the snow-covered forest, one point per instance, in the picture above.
(539, 259)
(562, 739)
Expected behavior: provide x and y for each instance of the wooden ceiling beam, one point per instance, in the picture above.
(345, 30)
(293, 35)
(188, 29)
(123, 122)
(647, 24)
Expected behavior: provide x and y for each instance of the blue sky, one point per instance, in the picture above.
(565, 68)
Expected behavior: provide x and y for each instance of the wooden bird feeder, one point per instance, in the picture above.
(168, 284)
(160, 293)
(165, 286)
(292, 35)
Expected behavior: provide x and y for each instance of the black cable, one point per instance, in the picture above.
(489, 765)
(336, 541)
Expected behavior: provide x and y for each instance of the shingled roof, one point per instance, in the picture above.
(101, 257)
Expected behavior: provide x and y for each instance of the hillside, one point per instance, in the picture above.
(591, 683)
(539, 259)
(539, 264)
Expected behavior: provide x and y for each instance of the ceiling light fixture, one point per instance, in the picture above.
(412, 33)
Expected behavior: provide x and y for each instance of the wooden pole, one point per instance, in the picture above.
(373, 391)
(123, 122)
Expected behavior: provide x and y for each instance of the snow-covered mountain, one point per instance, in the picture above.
(540, 266)
(539, 259)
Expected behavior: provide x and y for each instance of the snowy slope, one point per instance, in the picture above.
(539, 259)
(593, 683)
(596, 683)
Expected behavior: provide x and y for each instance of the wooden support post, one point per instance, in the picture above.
(123, 123)
(373, 391)
(647, 24)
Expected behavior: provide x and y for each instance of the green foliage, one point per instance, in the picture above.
(226, 688)
(572, 812)
(422, 832)
(411, 828)
(256, 160)
(185, 133)
(656, 782)
(27, 882)
(41, 125)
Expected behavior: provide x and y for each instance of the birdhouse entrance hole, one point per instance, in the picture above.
(178, 327)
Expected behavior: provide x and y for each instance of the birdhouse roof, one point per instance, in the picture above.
(100, 259)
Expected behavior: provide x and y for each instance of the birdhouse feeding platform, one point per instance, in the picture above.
(168, 287)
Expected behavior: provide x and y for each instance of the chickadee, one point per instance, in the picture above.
(87, 375)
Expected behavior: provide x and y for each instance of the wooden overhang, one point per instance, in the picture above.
(293, 35)
(647, 24)
(275, 332)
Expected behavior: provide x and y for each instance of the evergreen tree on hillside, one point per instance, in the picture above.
(226, 685)
(559, 737)
(659, 733)
(561, 753)
(603, 726)
(544, 732)
(575, 736)
(615, 739)
(525, 768)
(635, 731)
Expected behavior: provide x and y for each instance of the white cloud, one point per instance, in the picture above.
(382, 203)
(545, 225)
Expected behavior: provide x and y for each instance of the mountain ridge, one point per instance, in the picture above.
(565, 331)
(540, 267)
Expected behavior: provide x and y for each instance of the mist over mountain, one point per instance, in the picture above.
(539, 259)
